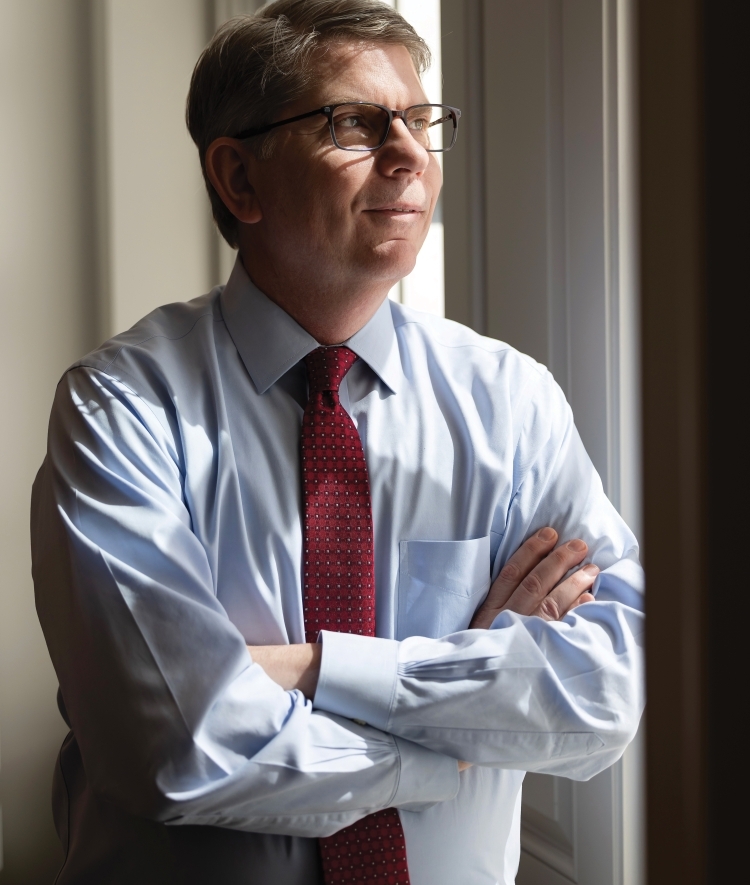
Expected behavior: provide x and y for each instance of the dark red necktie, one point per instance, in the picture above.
(339, 594)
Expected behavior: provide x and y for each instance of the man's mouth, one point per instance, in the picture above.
(402, 210)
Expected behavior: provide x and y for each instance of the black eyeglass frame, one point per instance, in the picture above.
(328, 111)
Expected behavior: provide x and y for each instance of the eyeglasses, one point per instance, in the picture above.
(363, 126)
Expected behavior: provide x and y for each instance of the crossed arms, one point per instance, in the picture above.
(176, 722)
(530, 583)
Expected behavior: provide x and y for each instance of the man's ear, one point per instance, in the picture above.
(230, 168)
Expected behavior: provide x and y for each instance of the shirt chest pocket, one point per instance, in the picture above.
(440, 585)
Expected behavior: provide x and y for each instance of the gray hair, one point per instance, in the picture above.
(256, 64)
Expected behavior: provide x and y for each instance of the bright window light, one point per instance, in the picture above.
(424, 288)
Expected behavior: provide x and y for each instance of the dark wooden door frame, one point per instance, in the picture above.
(695, 236)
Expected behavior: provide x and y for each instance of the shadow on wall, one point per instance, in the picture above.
(59, 300)
(46, 285)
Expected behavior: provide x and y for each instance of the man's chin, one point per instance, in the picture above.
(392, 260)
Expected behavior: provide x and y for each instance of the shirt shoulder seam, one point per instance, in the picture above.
(129, 388)
(166, 337)
(502, 346)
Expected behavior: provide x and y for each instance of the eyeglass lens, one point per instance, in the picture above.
(363, 127)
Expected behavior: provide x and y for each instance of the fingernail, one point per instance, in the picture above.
(578, 546)
(591, 569)
(547, 534)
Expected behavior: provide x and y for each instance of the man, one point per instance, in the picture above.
(267, 518)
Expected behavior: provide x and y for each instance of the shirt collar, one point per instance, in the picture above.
(270, 342)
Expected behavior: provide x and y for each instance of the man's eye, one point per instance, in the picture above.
(350, 122)
(419, 124)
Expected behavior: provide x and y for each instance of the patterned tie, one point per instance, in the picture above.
(340, 587)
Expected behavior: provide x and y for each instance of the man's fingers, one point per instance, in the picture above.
(568, 594)
(584, 597)
(528, 555)
(543, 578)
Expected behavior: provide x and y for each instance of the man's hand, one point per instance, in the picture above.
(530, 581)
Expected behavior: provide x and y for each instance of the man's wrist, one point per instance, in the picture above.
(291, 666)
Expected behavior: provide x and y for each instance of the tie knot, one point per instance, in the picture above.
(327, 366)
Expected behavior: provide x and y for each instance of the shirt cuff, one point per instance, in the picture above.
(426, 778)
(357, 677)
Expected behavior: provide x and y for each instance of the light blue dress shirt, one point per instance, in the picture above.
(167, 537)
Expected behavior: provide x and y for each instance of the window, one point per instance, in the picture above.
(539, 241)
(424, 288)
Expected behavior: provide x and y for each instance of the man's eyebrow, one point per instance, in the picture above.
(349, 100)
(345, 100)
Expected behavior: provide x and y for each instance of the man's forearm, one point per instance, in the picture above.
(297, 666)
(291, 666)
(529, 694)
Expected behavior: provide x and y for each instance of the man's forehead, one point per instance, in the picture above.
(379, 72)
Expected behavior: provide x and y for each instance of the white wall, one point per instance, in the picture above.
(47, 304)
(155, 210)
(103, 216)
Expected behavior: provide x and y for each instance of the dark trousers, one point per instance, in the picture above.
(106, 846)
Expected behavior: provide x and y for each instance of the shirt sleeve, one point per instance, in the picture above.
(561, 697)
(174, 720)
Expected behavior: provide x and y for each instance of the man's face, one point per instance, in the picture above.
(352, 217)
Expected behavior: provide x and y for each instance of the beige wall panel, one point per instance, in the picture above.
(158, 217)
(517, 173)
(46, 287)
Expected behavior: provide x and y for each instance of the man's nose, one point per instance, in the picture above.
(402, 151)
